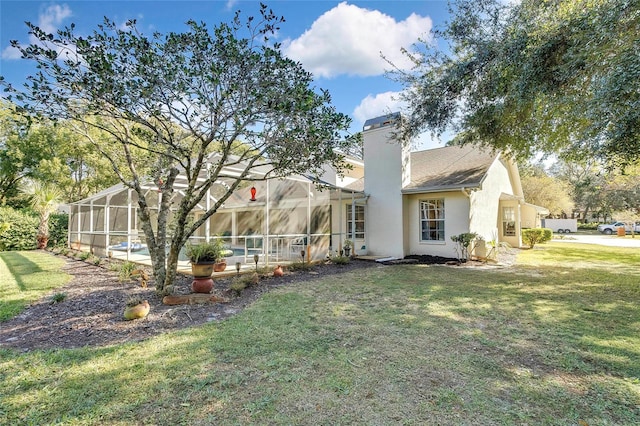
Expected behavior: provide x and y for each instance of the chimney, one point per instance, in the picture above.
(387, 170)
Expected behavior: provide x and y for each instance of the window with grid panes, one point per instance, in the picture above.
(358, 222)
(432, 220)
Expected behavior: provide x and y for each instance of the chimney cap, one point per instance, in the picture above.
(382, 121)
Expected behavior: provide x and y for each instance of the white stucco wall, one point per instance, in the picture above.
(386, 169)
(485, 218)
(477, 210)
(456, 208)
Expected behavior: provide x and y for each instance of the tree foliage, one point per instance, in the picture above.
(47, 152)
(599, 190)
(217, 107)
(536, 75)
(547, 191)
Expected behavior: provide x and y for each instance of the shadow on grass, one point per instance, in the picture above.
(19, 266)
(401, 344)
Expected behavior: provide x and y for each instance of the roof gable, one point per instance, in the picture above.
(450, 167)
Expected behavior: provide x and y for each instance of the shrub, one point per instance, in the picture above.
(126, 270)
(298, 266)
(84, 255)
(340, 260)
(463, 241)
(58, 228)
(21, 232)
(58, 298)
(237, 286)
(535, 236)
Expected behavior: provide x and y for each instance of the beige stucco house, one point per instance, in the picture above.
(417, 200)
(391, 203)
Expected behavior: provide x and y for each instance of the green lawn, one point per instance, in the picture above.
(26, 276)
(554, 341)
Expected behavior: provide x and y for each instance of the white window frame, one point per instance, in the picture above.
(359, 222)
(509, 221)
(432, 220)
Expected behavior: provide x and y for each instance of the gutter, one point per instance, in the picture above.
(452, 188)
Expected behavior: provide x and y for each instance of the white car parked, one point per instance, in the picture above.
(610, 228)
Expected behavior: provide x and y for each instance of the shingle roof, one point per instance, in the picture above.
(357, 185)
(450, 167)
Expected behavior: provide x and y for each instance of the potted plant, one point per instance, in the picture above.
(348, 245)
(203, 258)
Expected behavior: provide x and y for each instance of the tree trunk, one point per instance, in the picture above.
(43, 231)
(172, 266)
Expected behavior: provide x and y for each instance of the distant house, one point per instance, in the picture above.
(417, 200)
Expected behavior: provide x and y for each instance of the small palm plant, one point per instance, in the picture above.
(44, 199)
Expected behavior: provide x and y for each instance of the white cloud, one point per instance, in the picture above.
(49, 20)
(385, 103)
(11, 52)
(231, 4)
(376, 105)
(349, 40)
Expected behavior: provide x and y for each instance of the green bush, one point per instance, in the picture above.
(126, 270)
(21, 232)
(463, 241)
(84, 255)
(535, 236)
(591, 226)
(58, 227)
(340, 260)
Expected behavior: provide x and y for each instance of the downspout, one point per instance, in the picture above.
(353, 220)
(467, 192)
(308, 247)
(339, 220)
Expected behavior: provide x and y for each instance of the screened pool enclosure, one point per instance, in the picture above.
(277, 220)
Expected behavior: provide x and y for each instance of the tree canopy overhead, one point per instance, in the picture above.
(197, 103)
(553, 76)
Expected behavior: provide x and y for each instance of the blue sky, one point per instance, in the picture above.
(339, 42)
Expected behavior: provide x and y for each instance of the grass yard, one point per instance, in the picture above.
(26, 276)
(554, 340)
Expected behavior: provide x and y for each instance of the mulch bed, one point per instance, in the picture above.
(92, 312)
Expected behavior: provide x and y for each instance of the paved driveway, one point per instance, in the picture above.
(605, 240)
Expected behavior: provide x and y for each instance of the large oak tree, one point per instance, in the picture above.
(208, 104)
(554, 76)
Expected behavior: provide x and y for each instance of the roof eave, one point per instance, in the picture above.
(446, 188)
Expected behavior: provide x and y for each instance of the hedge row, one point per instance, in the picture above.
(19, 229)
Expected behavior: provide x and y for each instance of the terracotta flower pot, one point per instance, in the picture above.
(43, 241)
(220, 266)
(140, 310)
(278, 272)
(202, 285)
